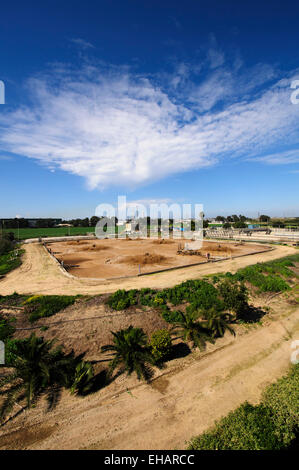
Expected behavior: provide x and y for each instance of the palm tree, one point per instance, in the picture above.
(37, 369)
(131, 352)
(218, 322)
(190, 329)
(84, 378)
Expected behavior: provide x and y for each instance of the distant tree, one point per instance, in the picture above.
(94, 220)
(226, 225)
(220, 218)
(264, 218)
(240, 225)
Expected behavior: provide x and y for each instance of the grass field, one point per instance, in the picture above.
(25, 233)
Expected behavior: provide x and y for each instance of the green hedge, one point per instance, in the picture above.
(271, 425)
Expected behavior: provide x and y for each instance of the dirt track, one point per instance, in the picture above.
(182, 402)
(40, 274)
(108, 259)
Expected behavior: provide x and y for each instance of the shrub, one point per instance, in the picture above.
(122, 299)
(40, 306)
(161, 344)
(83, 378)
(9, 260)
(234, 295)
(5, 246)
(171, 316)
(7, 328)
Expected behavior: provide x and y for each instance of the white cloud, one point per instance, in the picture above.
(281, 158)
(82, 43)
(113, 128)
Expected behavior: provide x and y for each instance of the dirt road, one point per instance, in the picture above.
(184, 401)
(40, 274)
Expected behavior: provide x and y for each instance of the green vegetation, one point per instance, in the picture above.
(40, 306)
(122, 299)
(192, 330)
(218, 322)
(7, 328)
(24, 233)
(268, 277)
(130, 353)
(271, 425)
(83, 381)
(10, 261)
(161, 345)
(14, 300)
(38, 369)
(10, 255)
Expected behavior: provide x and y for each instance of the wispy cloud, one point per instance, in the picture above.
(281, 158)
(113, 127)
(81, 43)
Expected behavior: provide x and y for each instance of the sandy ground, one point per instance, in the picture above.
(106, 259)
(183, 400)
(39, 273)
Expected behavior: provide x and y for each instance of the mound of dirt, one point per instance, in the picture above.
(216, 248)
(163, 241)
(146, 258)
(95, 248)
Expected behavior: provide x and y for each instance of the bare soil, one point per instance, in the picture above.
(40, 274)
(181, 401)
(105, 259)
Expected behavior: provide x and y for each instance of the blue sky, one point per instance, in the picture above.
(185, 102)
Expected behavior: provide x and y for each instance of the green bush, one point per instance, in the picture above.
(7, 328)
(10, 261)
(40, 306)
(122, 299)
(247, 428)
(171, 316)
(14, 299)
(234, 295)
(5, 246)
(161, 345)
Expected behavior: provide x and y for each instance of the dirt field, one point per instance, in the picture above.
(106, 259)
(183, 399)
(40, 274)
